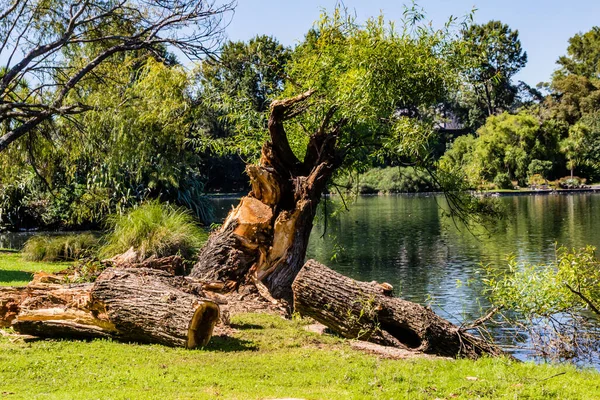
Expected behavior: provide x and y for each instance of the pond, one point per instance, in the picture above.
(407, 241)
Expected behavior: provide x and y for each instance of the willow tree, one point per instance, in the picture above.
(56, 45)
(352, 91)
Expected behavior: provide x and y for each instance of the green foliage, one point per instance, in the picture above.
(571, 182)
(495, 55)
(392, 180)
(552, 301)
(235, 93)
(154, 228)
(543, 290)
(536, 180)
(539, 167)
(583, 55)
(114, 157)
(503, 149)
(60, 248)
(502, 181)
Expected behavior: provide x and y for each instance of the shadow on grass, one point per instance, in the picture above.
(246, 326)
(228, 344)
(12, 276)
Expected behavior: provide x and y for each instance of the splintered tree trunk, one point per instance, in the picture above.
(366, 311)
(264, 239)
(141, 305)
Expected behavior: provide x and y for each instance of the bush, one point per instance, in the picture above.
(537, 180)
(394, 180)
(571, 183)
(502, 181)
(60, 248)
(154, 229)
(539, 167)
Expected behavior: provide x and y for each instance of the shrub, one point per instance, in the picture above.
(539, 167)
(502, 181)
(537, 180)
(571, 183)
(394, 180)
(60, 248)
(154, 228)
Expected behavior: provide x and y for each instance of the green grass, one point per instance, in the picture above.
(154, 229)
(15, 271)
(268, 358)
(59, 248)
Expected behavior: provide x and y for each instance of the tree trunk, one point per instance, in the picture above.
(140, 305)
(264, 239)
(366, 311)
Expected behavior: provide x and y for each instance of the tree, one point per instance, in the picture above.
(573, 146)
(112, 157)
(583, 55)
(501, 151)
(56, 45)
(495, 55)
(575, 86)
(247, 76)
(352, 91)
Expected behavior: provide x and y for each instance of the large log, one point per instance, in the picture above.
(140, 305)
(366, 311)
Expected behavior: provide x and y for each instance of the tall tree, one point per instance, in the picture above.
(241, 84)
(495, 56)
(583, 55)
(576, 84)
(41, 42)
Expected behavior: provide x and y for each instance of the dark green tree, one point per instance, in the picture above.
(495, 55)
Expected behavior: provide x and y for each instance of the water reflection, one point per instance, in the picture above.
(409, 242)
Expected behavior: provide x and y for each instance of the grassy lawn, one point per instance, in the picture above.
(266, 358)
(14, 271)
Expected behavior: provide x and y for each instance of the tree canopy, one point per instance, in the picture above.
(51, 47)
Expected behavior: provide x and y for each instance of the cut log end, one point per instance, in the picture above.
(202, 324)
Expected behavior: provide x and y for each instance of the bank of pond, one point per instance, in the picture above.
(409, 242)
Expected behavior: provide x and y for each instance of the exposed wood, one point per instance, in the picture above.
(130, 259)
(271, 250)
(361, 310)
(137, 304)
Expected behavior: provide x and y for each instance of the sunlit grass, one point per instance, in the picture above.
(269, 357)
(59, 248)
(15, 271)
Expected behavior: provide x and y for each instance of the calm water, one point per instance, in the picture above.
(407, 241)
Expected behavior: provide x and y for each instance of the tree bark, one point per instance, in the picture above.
(140, 305)
(366, 311)
(264, 239)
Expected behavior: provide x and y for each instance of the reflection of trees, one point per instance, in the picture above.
(408, 242)
(395, 239)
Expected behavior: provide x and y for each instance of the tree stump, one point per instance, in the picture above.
(366, 311)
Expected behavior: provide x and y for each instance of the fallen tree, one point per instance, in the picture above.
(127, 304)
(366, 311)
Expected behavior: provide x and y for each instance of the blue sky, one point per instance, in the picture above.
(544, 26)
